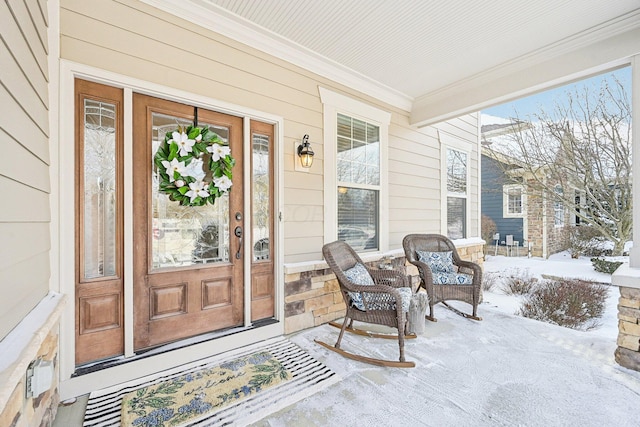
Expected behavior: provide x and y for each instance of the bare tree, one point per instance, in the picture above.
(579, 155)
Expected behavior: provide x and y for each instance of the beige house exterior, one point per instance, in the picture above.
(140, 49)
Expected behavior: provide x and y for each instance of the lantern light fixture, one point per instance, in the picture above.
(305, 152)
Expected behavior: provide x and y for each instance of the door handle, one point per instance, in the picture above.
(238, 233)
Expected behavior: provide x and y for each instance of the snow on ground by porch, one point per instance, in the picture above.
(503, 371)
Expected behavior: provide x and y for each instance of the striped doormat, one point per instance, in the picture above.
(305, 376)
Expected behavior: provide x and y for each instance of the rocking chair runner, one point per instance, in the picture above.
(443, 274)
(372, 296)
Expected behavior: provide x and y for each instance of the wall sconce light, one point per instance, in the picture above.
(305, 152)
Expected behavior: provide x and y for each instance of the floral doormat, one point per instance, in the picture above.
(235, 391)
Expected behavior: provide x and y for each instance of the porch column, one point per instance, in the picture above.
(627, 277)
(634, 255)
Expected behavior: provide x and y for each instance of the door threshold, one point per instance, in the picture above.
(91, 367)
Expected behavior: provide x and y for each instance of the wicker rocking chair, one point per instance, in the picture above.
(372, 296)
(442, 273)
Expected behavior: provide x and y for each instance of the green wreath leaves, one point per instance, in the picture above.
(180, 160)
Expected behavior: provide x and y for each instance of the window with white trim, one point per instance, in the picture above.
(358, 173)
(355, 172)
(457, 191)
(513, 200)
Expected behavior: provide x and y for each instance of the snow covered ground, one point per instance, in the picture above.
(503, 371)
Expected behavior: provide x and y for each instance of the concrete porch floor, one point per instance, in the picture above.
(502, 371)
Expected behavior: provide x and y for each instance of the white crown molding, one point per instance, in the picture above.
(203, 13)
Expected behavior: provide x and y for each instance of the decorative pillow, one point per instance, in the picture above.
(359, 275)
(438, 262)
(452, 279)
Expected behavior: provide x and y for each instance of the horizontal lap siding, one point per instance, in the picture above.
(415, 178)
(134, 39)
(493, 203)
(24, 171)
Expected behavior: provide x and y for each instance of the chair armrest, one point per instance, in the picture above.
(474, 267)
(425, 271)
(373, 289)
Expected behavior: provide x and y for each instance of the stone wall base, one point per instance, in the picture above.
(42, 326)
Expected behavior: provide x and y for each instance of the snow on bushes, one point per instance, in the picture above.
(571, 303)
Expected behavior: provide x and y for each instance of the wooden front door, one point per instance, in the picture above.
(188, 260)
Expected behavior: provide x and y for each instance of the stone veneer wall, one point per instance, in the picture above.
(557, 237)
(535, 224)
(16, 410)
(628, 352)
(41, 411)
(312, 293)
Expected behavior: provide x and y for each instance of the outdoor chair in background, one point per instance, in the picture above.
(512, 244)
(380, 297)
(443, 274)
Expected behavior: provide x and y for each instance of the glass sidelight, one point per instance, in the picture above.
(261, 201)
(99, 195)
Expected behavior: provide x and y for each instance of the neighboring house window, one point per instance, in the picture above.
(356, 136)
(558, 207)
(457, 189)
(513, 201)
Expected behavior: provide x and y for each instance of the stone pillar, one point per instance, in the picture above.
(628, 352)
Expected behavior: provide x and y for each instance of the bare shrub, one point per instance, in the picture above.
(571, 303)
(518, 282)
(587, 241)
(489, 280)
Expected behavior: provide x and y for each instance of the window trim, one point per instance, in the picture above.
(505, 201)
(333, 104)
(452, 143)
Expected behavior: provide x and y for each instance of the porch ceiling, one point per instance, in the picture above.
(417, 54)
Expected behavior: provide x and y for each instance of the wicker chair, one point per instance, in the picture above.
(380, 301)
(463, 283)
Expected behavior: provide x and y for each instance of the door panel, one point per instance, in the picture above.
(187, 277)
(99, 219)
(262, 220)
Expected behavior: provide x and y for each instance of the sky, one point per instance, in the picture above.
(531, 104)
(505, 370)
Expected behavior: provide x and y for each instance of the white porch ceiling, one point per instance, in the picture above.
(419, 52)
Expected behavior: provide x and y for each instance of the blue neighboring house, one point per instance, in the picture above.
(539, 228)
(501, 202)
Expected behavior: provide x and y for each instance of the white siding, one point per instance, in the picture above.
(24, 170)
(136, 40)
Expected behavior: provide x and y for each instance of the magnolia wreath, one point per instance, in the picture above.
(180, 160)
